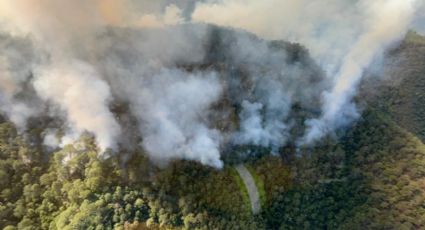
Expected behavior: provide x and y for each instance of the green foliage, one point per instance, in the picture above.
(401, 93)
(272, 177)
(372, 178)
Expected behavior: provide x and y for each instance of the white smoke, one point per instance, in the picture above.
(418, 23)
(16, 60)
(261, 128)
(171, 105)
(173, 117)
(51, 139)
(61, 32)
(329, 28)
(76, 58)
(78, 90)
(171, 16)
(276, 86)
(326, 27)
(389, 21)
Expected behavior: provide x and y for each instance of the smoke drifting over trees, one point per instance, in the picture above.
(74, 60)
(345, 35)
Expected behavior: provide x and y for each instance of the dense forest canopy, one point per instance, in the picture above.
(372, 177)
(181, 115)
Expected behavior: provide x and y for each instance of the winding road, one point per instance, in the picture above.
(249, 182)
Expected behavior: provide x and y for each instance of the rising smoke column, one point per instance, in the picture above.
(389, 21)
(79, 73)
(170, 105)
(63, 34)
(320, 25)
(343, 36)
(16, 59)
(78, 90)
(263, 121)
(271, 78)
(172, 121)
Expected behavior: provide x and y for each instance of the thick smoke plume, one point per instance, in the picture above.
(389, 21)
(16, 60)
(173, 127)
(152, 74)
(78, 90)
(354, 32)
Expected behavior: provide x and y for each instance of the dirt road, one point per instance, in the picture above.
(253, 193)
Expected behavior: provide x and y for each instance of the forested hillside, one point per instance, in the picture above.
(370, 174)
(374, 177)
(400, 90)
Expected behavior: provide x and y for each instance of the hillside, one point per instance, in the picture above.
(371, 176)
(374, 178)
(400, 88)
(212, 114)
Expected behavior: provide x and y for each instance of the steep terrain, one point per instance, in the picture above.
(371, 177)
(400, 92)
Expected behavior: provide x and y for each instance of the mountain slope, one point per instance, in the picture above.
(373, 179)
(401, 92)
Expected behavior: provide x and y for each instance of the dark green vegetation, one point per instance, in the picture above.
(401, 94)
(373, 177)
(74, 189)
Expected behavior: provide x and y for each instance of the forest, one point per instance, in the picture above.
(368, 173)
(373, 177)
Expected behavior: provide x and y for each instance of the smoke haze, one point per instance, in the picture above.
(192, 88)
(344, 35)
(389, 21)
